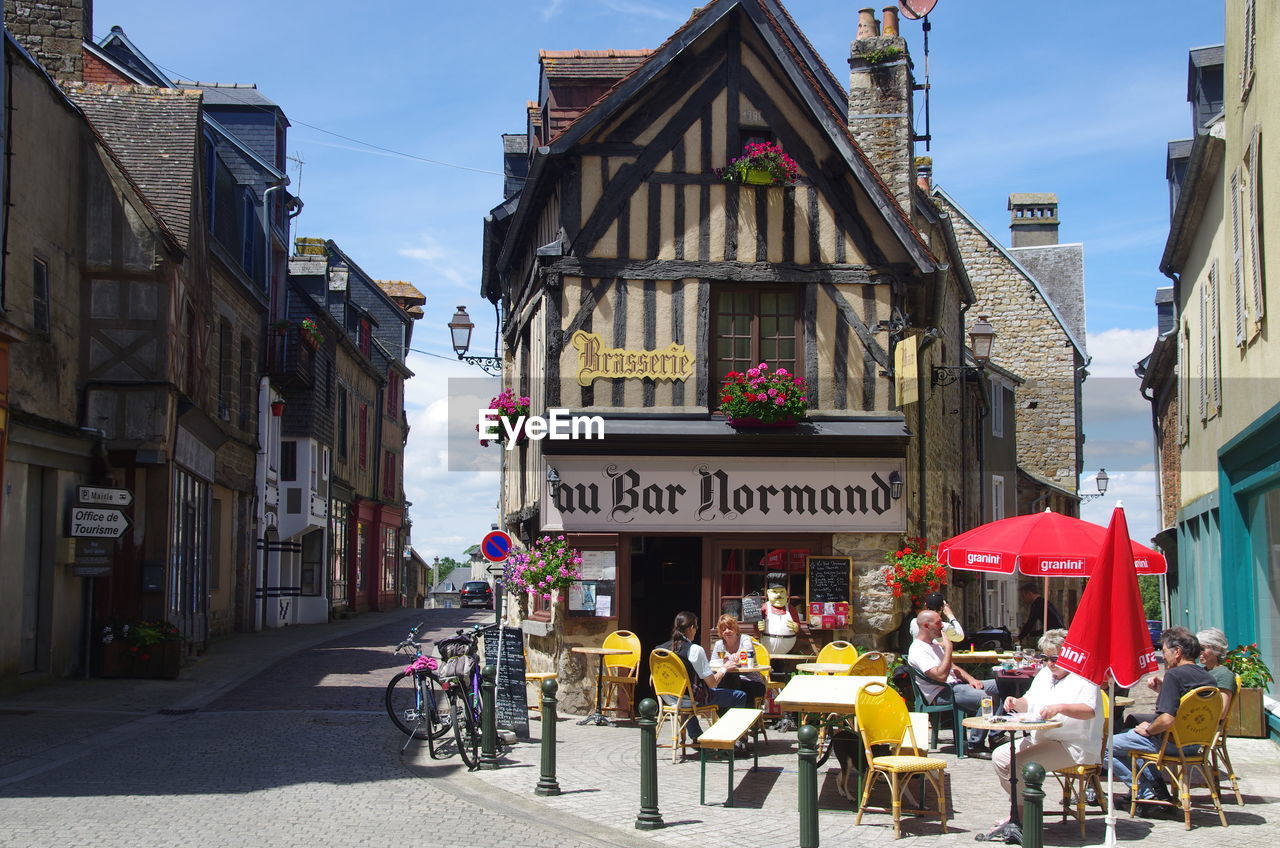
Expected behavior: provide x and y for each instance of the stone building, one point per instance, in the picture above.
(1220, 426)
(625, 244)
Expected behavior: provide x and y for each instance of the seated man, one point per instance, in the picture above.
(1056, 694)
(1180, 648)
(933, 659)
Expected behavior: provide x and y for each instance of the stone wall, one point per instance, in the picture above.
(53, 31)
(880, 85)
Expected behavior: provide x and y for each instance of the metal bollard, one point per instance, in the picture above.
(1032, 806)
(808, 794)
(488, 718)
(547, 783)
(649, 817)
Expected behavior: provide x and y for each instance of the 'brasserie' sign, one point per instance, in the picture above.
(723, 494)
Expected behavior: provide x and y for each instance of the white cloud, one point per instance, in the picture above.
(1116, 351)
(458, 267)
(551, 9)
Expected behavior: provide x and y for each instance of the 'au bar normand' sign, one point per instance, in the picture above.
(723, 494)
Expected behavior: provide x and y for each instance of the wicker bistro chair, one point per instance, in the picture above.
(1195, 724)
(622, 672)
(674, 691)
(870, 664)
(883, 720)
(1074, 780)
(945, 704)
(838, 652)
(1219, 759)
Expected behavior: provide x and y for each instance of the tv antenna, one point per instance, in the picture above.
(918, 10)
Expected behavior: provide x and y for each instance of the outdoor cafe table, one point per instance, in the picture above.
(980, 723)
(824, 668)
(988, 657)
(785, 724)
(598, 717)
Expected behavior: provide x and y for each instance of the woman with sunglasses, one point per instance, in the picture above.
(1056, 694)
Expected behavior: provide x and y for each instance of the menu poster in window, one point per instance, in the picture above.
(828, 583)
(589, 598)
(752, 609)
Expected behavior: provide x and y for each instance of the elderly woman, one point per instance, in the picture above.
(734, 649)
(1213, 649)
(1056, 694)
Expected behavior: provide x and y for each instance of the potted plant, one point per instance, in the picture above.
(150, 649)
(761, 163)
(510, 409)
(1246, 717)
(281, 326)
(277, 408)
(311, 332)
(547, 566)
(913, 570)
(763, 398)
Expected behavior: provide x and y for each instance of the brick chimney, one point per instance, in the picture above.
(880, 101)
(1033, 219)
(54, 32)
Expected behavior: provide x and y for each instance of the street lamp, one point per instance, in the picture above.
(1102, 480)
(460, 329)
(982, 338)
(895, 485)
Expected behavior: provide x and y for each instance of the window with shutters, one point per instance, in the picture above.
(756, 325)
(1253, 203)
(1184, 384)
(1214, 337)
(997, 497)
(1250, 40)
(1237, 260)
(1203, 349)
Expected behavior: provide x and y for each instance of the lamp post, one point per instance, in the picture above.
(982, 338)
(460, 328)
(1102, 480)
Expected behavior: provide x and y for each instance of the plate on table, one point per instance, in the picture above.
(1027, 718)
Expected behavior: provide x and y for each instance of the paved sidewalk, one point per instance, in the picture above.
(598, 769)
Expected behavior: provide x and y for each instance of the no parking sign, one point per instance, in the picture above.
(495, 546)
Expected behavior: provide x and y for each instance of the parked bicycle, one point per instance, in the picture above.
(460, 678)
(415, 697)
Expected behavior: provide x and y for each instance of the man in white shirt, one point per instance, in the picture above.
(951, 628)
(931, 656)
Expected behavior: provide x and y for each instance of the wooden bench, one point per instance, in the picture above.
(728, 730)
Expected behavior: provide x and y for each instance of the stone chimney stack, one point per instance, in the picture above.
(53, 31)
(1033, 219)
(880, 101)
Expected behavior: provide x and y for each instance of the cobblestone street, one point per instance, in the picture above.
(280, 739)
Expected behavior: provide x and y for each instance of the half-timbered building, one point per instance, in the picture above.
(633, 278)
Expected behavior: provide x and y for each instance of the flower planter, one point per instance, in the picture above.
(756, 423)
(1246, 716)
(759, 177)
(277, 408)
(161, 661)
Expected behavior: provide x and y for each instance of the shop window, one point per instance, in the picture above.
(743, 571)
(390, 560)
(754, 325)
(339, 515)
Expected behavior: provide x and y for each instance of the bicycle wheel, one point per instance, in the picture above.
(428, 718)
(465, 731)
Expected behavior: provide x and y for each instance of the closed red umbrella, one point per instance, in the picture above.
(1108, 640)
(1043, 544)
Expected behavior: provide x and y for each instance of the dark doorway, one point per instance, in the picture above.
(666, 578)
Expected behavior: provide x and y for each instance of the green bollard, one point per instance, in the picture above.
(1032, 806)
(547, 783)
(808, 795)
(488, 718)
(649, 817)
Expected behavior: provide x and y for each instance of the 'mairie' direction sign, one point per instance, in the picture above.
(87, 522)
(98, 496)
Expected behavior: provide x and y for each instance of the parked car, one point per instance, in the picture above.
(1155, 627)
(477, 593)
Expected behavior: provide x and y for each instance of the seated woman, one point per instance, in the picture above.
(683, 632)
(734, 649)
(1060, 695)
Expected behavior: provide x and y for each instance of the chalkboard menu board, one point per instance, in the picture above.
(751, 609)
(829, 579)
(513, 708)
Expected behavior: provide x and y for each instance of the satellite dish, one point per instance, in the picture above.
(914, 10)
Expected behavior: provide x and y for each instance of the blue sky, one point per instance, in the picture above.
(1074, 98)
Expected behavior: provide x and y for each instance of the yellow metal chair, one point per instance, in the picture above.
(770, 685)
(883, 720)
(536, 678)
(1219, 759)
(621, 672)
(674, 692)
(1196, 723)
(1075, 780)
(871, 664)
(839, 652)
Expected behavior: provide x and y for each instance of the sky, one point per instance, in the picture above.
(397, 108)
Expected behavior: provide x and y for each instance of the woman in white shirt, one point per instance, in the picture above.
(1062, 696)
(732, 650)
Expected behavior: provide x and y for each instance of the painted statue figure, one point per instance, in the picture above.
(780, 625)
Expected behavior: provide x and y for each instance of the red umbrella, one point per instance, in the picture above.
(1043, 544)
(1108, 640)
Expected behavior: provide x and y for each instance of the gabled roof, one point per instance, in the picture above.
(1202, 167)
(816, 85)
(154, 132)
(242, 148)
(126, 54)
(1000, 248)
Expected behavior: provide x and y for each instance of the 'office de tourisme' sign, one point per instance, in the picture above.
(723, 494)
